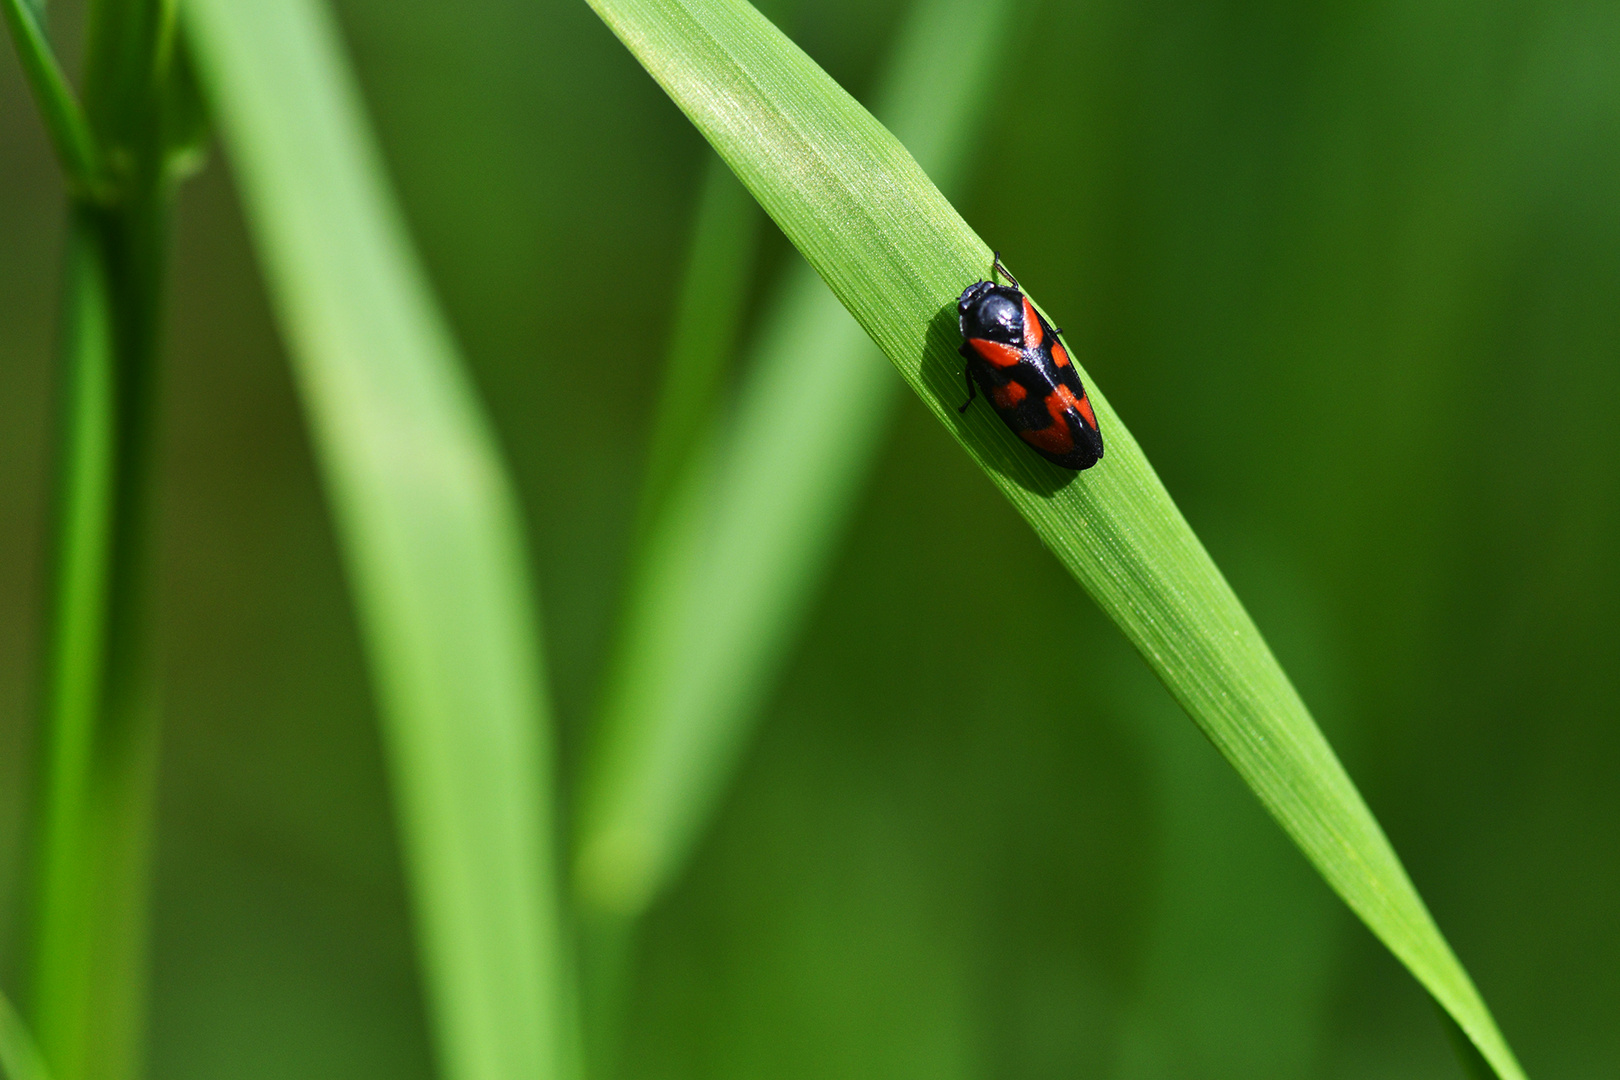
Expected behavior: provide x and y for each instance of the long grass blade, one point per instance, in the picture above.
(75, 668)
(708, 317)
(100, 726)
(101, 701)
(727, 573)
(429, 527)
(896, 253)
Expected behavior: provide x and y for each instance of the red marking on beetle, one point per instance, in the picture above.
(1085, 411)
(1061, 400)
(1060, 356)
(1032, 327)
(997, 353)
(1005, 397)
(1054, 439)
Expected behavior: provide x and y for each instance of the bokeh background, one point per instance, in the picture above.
(1352, 272)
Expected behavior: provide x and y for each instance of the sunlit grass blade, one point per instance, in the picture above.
(727, 572)
(429, 527)
(896, 253)
(19, 1056)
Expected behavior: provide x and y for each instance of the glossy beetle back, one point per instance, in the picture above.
(991, 312)
(1014, 356)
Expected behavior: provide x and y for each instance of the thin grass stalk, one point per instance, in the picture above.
(99, 729)
(100, 722)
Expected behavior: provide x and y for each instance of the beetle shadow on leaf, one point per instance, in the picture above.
(942, 367)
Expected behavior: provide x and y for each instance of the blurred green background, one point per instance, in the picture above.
(1352, 271)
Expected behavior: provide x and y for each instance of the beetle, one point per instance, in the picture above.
(1015, 357)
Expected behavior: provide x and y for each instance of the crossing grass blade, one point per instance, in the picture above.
(58, 106)
(429, 528)
(896, 253)
(727, 572)
(708, 316)
(19, 1056)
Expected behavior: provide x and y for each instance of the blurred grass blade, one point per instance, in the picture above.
(19, 1056)
(429, 528)
(708, 314)
(897, 254)
(64, 119)
(717, 592)
(1236, 965)
(727, 573)
(100, 729)
(68, 957)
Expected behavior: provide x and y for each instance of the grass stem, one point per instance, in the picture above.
(100, 723)
(101, 720)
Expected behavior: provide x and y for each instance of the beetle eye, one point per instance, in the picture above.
(970, 297)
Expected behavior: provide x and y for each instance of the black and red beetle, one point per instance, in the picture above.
(1017, 360)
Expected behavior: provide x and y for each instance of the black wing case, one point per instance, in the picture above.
(1037, 393)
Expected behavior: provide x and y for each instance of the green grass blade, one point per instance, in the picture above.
(100, 716)
(717, 591)
(19, 1056)
(708, 315)
(897, 254)
(76, 654)
(727, 572)
(429, 527)
(75, 982)
(64, 119)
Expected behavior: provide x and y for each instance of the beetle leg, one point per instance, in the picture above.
(973, 391)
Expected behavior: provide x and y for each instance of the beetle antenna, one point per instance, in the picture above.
(995, 265)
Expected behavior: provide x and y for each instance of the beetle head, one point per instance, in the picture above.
(992, 312)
